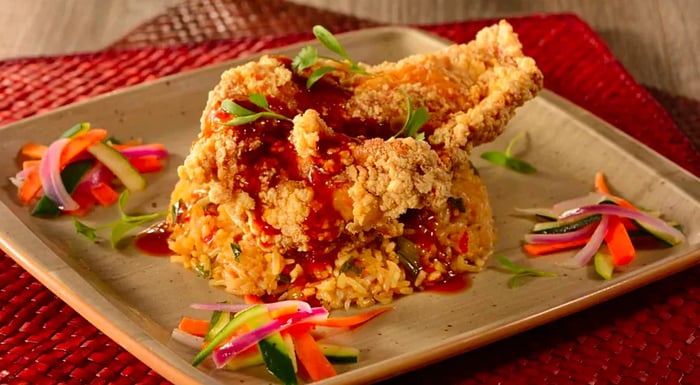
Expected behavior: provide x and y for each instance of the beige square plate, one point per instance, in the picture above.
(137, 300)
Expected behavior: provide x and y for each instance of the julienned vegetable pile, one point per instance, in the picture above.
(278, 335)
(593, 220)
(82, 168)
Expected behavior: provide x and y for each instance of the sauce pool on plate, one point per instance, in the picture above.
(154, 240)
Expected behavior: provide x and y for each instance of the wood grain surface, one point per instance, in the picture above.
(658, 41)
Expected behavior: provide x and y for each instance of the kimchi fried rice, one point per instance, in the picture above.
(330, 206)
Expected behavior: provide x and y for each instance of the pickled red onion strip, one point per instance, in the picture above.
(584, 255)
(50, 175)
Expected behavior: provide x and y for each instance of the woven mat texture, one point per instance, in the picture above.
(647, 336)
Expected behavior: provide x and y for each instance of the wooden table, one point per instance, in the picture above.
(657, 41)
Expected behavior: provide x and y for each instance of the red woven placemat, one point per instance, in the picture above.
(650, 335)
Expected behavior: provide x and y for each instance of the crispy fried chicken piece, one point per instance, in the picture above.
(471, 90)
(336, 170)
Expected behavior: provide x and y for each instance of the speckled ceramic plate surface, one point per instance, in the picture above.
(137, 299)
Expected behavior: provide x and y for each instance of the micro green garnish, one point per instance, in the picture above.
(308, 56)
(415, 119)
(506, 158)
(245, 116)
(520, 272)
(121, 226)
(236, 248)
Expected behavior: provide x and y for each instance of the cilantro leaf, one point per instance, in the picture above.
(415, 119)
(244, 119)
(307, 57)
(259, 100)
(245, 116)
(119, 231)
(495, 157)
(520, 166)
(85, 230)
(329, 41)
(506, 159)
(122, 226)
(234, 108)
(317, 74)
(520, 272)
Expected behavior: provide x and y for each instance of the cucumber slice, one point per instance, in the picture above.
(245, 360)
(540, 212)
(603, 265)
(119, 165)
(275, 352)
(557, 227)
(339, 354)
(76, 130)
(665, 238)
(218, 320)
(236, 322)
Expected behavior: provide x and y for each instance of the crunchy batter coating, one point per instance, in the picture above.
(334, 180)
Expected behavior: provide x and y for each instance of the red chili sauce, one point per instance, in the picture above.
(420, 227)
(154, 240)
(271, 154)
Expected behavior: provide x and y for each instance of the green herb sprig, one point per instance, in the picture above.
(308, 56)
(245, 116)
(507, 160)
(520, 272)
(415, 119)
(122, 226)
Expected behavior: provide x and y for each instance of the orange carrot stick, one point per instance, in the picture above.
(312, 358)
(80, 143)
(144, 164)
(619, 243)
(601, 186)
(283, 311)
(353, 320)
(30, 187)
(197, 327)
(31, 163)
(33, 150)
(155, 146)
(548, 248)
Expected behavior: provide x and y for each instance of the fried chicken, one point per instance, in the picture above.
(335, 172)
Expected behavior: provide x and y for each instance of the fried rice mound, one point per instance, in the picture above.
(329, 205)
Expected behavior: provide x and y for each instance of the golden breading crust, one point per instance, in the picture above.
(471, 90)
(333, 180)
